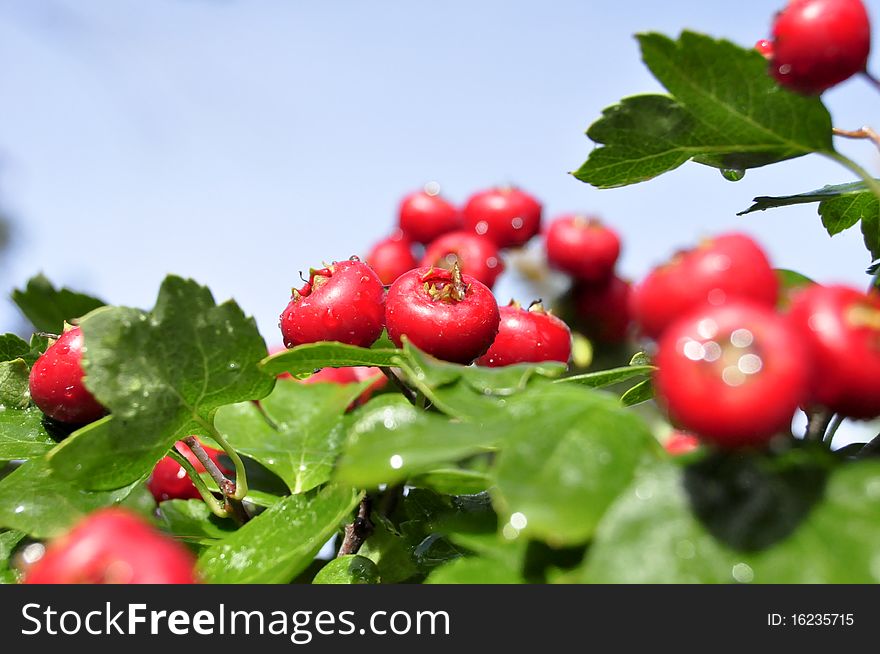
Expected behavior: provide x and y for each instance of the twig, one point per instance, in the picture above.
(398, 382)
(217, 508)
(863, 133)
(817, 423)
(359, 530)
(832, 429)
(871, 79)
(226, 486)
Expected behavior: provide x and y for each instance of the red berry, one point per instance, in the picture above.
(765, 48)
(447, 314)
(733, 374)
(730, 266)
(819, 43)
(350, 375)
(603, 309)
(680, 442)
(424, 216)
(528, 335)
(113, 546)
(477, 256)
(507, 216)
(56, 382)
(169, 480)
(842, 329)
(392, 257)
(582, 247)
(344, 302)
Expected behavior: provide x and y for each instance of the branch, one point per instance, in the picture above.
(359, 530)
(863, 133)
(817, 423)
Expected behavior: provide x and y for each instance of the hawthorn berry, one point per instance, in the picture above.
(113, 546)
(765, 48)
(476, 255)
(603, 309)
(582, 247)
(445, 313)
(732, 374)
(169, 480)
(680, 442)
(343, 302)
(726, 267)
(819, 43)
(528, 335)
(842, 329)
(424, 216)
(392, 257)
(507, 216)
(56, 382)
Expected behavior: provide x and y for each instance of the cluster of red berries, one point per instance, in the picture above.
(817, 44)
(732, 366)
(441, 301)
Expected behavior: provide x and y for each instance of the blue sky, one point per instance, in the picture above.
(239, 142)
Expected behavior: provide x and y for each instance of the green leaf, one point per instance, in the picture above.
(48, 308)
(12, 347)
(329, 354)
(471, 392)
(349, 569)
(23, 435)
(298, 432)
(453, 481)
(280, 542)
(571, 452)
(608, 377)
(840, 206)
(641, 392)
(14, 387)
(162, 375)
(791, 279)
(392, 555)
(33, 499)
(192, 520)
(725, 111)
(390, 439)
(8, 542)
(474, 570)
(774, 530)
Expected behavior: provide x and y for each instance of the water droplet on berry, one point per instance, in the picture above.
(432, 188)
(481, 227)
(517, 223)
(741, 338)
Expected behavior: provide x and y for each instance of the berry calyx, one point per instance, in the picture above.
(445, 313)
(475, 255)
(344, 302)
(113, 546)
(56, 382)
(842, 328)
(507, 216)
(169, 480)
(582, 247)
(819, 43)
(603, 309)
(528, 335)
(734, 374)
(726, 267)
(391, 257)
(425, 216)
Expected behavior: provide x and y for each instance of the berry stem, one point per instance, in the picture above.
(216, 506)
(359, 530)
(873, 81)
(398, 382)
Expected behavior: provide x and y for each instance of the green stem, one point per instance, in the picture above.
(213, 503)
(869, 180)
(241, 485)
